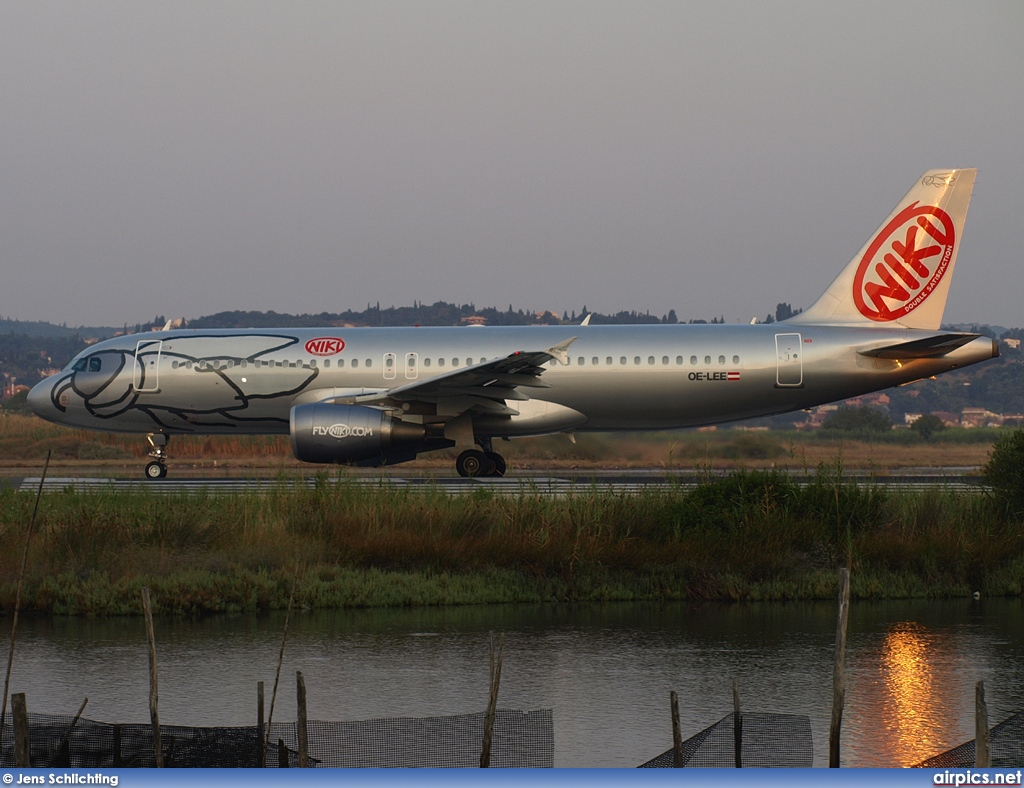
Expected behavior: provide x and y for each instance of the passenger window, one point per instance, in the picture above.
(595, 361)
(707, 359)
(693, 361)
(245, 363)
(455, 362)
(650, 360)
(636, 359)
(721, 359)
(622, 359)
(679, 360)
(327, 362)
(582, 361)
(355, 363)
(440, 362)
(735, 359)
(469, 362)
(369, 362)
(94, 364)
(664, 359)
(174, 365)
(608, 360)
(426, 362)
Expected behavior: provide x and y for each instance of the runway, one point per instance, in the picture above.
(545, 484)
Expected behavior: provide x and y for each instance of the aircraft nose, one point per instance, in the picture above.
(39, 399)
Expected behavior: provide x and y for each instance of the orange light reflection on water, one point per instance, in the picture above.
(916, 717)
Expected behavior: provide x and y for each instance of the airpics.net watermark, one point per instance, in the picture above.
(62, 778)
(975, 777)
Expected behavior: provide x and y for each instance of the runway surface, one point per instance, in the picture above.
(547, 484)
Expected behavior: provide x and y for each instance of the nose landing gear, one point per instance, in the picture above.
(157, 469)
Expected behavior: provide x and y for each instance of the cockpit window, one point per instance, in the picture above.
(94, 364)
(79, 366)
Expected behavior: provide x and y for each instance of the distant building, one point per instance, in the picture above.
(1014, 343)
(474, 320)
(979, 417)
(13, 388)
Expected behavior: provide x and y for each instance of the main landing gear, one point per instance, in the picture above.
(474, 462)
(157, 469)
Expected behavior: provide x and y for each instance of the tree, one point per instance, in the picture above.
(1004, 473)
(18, 403)
(857, 420)
(928, 425)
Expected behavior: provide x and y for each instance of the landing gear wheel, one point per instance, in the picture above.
(472, 463)
(156, 470)
(497, 462)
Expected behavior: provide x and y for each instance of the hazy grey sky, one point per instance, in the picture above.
(715, 158)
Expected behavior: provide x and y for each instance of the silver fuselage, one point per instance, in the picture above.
(617, 378)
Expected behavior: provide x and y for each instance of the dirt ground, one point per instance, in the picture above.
(618, 454)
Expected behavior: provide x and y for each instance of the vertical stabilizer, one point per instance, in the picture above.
(901, 276)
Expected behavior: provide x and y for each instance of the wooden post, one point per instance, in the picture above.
(17, 598)
(839, 670)
(677, 738)
(282, 755)
(300, 691)
(492, 703)
(19, 710)
(280, 659)
(260, 761)
(737, 724)
(982, 757)
(63, 753)
(158, 753)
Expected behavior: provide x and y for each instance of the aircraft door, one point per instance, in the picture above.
(146, 376)
(412, 366)
(390, 366)
(789, 358)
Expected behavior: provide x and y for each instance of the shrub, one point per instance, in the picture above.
(928, 425)
(1004, 472)
(857, 420)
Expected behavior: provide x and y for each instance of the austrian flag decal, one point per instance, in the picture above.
(905, 263)
(733, 376)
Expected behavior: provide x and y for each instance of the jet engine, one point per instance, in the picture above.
(328, 433)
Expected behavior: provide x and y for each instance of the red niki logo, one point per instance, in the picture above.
(325, 346)
(904, 263)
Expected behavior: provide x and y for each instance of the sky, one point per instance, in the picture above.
(715, 158)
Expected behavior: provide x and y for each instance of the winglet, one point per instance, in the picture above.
(560, 352)
(586, 320)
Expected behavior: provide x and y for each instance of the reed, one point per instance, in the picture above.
(752, 535)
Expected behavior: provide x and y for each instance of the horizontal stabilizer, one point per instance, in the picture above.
(932, 347)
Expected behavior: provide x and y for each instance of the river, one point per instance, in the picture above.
(604, 670)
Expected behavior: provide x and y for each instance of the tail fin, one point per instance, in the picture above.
(902, 275)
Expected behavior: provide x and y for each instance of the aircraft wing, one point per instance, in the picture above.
(485, 387)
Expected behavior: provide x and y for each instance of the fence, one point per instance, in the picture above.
(520, 739)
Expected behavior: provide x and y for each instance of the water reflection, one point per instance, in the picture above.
(910, 711)
(605, 670)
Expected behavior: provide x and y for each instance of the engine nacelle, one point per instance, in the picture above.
(327, 433)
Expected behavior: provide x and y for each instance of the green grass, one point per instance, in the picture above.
(749, 536)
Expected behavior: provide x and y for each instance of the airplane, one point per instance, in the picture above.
(380, 396)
